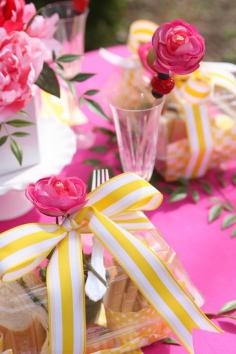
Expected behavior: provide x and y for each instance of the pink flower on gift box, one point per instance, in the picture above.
(178, 48)
(11, 14)
(21, 61)
(56, 196)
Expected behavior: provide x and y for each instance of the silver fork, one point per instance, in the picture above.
(94, 288)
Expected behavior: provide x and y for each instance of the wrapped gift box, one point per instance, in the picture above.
(122, 320)
(198, 131)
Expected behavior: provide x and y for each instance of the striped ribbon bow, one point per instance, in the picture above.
(110, 212)
(194, 92)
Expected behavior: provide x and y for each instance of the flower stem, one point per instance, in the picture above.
(34, 298)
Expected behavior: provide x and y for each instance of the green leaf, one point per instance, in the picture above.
(234, 179)
(20, 134)
(221, 179)
(81, 77)
(15, 148)
(233, 233)
(48, 81)
(229, 306)
(228, 206)
(228, 221)
(105, 131)
(96, 108)
(184, 181)
(99, 148)
(92, 162)
(68, 58)
(91, 92)
(206, 188)
(195, 196)
(151, 57)
(167, 189)
(214, 212)
(113, 139)
(81, 100)
(170, 340)
(179, 193)
(3, 139)
(156, 177)
(43, 273)
(61, 67)
(215, 200)
(18, 123)
(24, 113)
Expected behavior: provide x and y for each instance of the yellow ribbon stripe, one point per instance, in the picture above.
(109, 210)
(200, 140)
(141, 31)
(193, 93)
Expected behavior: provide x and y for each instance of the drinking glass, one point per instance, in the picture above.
(137, 134)
(70, 32)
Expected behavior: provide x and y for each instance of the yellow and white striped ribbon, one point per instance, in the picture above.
(22, 248)
(193, 93)
(200, 139)
(221, 74)
(141, 31)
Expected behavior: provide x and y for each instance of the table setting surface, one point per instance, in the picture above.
(207, 252)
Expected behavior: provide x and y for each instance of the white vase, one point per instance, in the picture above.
(29, 144)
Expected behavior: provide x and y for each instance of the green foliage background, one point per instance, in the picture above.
(109, 21)
(104, 21)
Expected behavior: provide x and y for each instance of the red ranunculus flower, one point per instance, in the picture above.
(178, 48)
(57, 196)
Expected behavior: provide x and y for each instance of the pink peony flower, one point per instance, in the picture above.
(11, 14)
(178, 48)
(41, 27)
(21, 62)
(56, 196)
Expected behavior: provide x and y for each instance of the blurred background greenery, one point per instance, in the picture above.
(109, 21)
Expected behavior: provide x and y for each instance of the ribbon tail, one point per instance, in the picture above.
(200, 139)
(154, 280)
(66, 301)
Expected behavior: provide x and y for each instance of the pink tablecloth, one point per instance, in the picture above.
(208, 254)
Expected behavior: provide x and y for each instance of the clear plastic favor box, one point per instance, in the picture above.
(122, 320)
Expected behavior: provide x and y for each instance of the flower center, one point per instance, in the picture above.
(179, 39)
(59, 187)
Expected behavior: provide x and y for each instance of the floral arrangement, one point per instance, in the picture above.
(68, 267)
(27, 57)
(177, 48)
